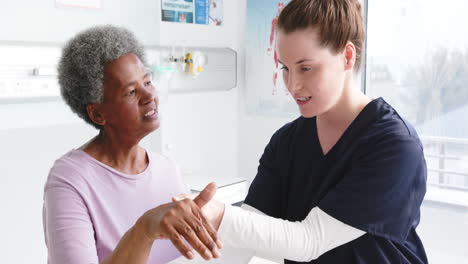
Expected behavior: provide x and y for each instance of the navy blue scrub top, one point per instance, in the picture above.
(374, 179)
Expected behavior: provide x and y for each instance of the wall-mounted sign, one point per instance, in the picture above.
(202, 12)
(177, 11)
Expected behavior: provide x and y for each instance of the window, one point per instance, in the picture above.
(417, 60)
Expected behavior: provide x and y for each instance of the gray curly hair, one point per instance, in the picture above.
(81, 66)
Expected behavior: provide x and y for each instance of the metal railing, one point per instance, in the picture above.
(437, 148)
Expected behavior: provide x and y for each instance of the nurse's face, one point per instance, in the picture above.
(314, 75)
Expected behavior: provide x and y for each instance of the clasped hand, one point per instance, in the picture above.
(192, 219)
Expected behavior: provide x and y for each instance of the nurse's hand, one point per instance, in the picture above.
(181, 220)
(212, 209)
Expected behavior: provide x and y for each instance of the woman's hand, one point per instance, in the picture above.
(181, 220)
(212, 209)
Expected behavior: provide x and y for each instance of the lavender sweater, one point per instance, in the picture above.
(88, 206)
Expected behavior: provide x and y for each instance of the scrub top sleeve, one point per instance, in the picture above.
(264, 192)
(382, 192)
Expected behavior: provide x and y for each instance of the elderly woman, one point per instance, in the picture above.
(106, 202)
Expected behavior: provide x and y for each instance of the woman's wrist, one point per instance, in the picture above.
(142, 230)
(219, 216)
(134, 246)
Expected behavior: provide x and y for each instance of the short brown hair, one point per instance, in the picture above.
(337, 22)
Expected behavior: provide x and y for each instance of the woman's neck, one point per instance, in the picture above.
(127, 157)
(332, 124)
(346, 109)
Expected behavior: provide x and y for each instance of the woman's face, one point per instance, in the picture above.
(130, 105)
(313, 75)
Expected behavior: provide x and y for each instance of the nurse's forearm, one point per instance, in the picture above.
(297, 241)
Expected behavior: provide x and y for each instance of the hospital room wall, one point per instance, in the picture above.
(205, 122)
(202, 127)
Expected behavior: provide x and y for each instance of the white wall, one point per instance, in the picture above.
(26, 155)
(254, 131)
(31, 20)
(254, 134)
(202, 127)
(444, 232)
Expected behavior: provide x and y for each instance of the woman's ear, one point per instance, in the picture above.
(349, 55)
(95, 114)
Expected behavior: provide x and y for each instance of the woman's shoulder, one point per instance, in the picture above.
(74, 159)
(288, 130)
(381, 120)
(69, 169)
(388, 128)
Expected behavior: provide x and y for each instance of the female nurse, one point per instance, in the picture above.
(344, 182)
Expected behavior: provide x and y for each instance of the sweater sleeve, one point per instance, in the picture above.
(68, 229)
